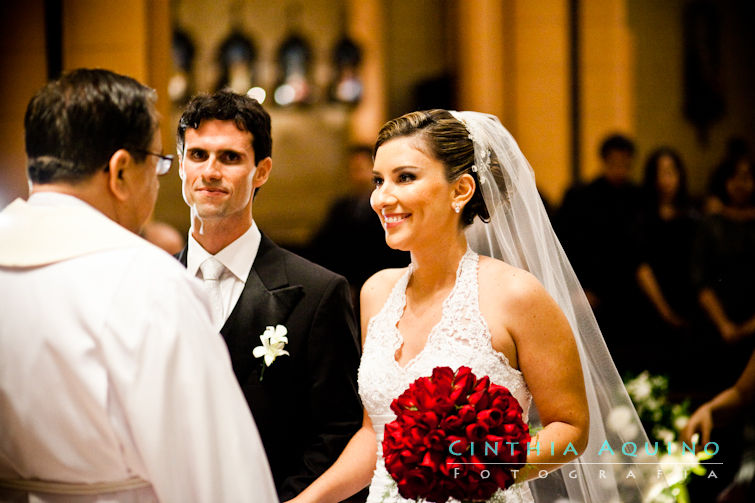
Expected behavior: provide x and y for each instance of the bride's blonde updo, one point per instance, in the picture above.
(447, 140)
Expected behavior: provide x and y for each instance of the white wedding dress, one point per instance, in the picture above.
(461, 337)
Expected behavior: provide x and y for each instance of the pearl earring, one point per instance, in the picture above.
(457, 207)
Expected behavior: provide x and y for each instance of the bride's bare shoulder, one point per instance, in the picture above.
(377, 288)
(516, 303)
(509, 282)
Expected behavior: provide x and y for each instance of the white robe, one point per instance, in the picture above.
(110, 368)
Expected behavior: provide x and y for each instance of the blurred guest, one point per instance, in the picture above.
(724, 268)
(668, 231)
(736, 150)
(351, 240)
(163, 235)
(599, 226)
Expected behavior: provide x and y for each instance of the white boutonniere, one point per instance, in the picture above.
(273, 341)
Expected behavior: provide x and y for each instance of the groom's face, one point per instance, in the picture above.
(218, 171)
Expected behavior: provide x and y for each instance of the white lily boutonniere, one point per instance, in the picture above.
(273, 341)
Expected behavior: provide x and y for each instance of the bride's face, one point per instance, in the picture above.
(412, 196)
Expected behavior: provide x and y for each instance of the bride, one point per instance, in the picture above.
(454, 189)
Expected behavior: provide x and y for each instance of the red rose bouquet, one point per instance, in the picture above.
(454, 436)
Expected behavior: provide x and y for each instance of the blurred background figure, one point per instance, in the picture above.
(723, 273)
(669, 224)
(351, 241)
(736, 150)
(164, 236)
(599, 226)
(724, 270)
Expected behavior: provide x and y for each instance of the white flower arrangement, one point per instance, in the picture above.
(620, 421)
(664, 421)
(273, 341)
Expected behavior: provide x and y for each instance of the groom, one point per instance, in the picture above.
(302, 391)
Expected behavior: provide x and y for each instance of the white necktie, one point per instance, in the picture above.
(212, 270)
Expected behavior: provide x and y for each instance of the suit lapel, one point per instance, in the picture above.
(267, 298)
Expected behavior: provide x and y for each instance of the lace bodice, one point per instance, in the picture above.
(461, 337)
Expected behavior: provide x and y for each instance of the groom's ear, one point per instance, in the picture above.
(463, 189)
(262, 172)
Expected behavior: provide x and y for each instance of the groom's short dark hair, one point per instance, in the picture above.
(245, 112)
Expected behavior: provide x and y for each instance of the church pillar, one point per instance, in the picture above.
(366, 27)
(514, 63)
(607, 75)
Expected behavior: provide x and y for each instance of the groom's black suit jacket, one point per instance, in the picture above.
(306, 407)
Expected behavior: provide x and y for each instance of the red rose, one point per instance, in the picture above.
(482, 384)
(451, 422)
(463, 384)
(509, 428)
(480, 400)
(429, 420)
(408, 457)
(415, 481)
(404, 402)
(490, 417)
(444, 405)
(467, 413)
(433, 460)
(443, 378)
(476, 432)
(436, 440)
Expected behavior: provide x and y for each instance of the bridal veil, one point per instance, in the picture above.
(618, 464)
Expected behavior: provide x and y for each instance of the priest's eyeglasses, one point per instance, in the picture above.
(163, 163)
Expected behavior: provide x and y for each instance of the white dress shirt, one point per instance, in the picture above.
(237, 258)
(110, 369)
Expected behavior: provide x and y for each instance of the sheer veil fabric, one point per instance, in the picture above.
(520, 233)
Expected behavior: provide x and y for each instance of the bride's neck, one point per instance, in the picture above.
(435, 267)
